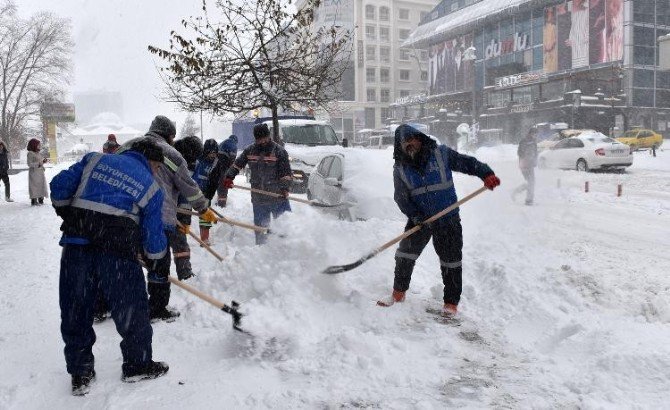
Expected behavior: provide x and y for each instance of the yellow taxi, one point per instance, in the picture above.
(641, 138)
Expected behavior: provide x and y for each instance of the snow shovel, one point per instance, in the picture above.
(203, 244)
(228, 221)
(292, 198)
(343, 268)
(231, 310)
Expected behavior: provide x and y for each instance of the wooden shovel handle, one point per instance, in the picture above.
(203, 244)
(273, 194)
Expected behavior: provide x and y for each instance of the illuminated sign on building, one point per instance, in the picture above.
(497, 48)
(520, 79)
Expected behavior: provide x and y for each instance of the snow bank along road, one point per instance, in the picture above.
(565, 304)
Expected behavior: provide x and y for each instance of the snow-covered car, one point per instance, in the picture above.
(587, 151)
(358, 182)
(554, 138)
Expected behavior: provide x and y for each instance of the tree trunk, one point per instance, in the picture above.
(275, 125)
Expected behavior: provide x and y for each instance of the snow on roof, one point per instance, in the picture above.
(103, 124)
(464, 18)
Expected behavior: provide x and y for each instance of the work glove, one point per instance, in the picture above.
(183, 228)
(228, 183)
(185, 274)
(491, 181)
(209, 216)
(284, 193)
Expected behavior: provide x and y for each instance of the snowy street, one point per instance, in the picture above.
(566, 304)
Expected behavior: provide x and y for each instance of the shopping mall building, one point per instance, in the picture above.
(509, 65)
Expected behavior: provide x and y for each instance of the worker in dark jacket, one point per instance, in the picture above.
(227, 154)
(191, 149)
(202, 174)
(270, 171)
(527, 152)
(4, 170)
(111, 211)
(422, 176)
(174, 179)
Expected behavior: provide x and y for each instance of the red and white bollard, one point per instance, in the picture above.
(586, 186)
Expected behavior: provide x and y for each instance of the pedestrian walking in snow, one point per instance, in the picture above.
(37, 181)
(227, 154)
(422, 177)
(174, 178)
(111, 211)
(527, 152)
(110, 146)
(203, 170)
(270, 171)
(4, 170)
(191, 149)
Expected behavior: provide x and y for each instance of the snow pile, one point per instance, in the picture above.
(565, 304)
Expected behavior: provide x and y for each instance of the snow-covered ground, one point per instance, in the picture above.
(565, 304)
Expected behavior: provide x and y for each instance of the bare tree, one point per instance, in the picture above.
(35, 61)
(256, 54)
(189, 128)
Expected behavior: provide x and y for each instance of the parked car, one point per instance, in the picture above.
(553, 138)
(641, 138)
(359, 182)
(587, 151)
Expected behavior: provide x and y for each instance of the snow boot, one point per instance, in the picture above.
(204, 235)
(168, 315)
(8, 199)
(40, 201)
(151, 371)
(396, 296)
(33, 201)
(81, 383)
(449, 309)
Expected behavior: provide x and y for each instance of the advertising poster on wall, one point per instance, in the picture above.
(563, 23)
(448, 70)
(549, 32)
(614, 30)
(578, 39)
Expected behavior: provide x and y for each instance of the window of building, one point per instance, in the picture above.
(404, 75)
(385, 115)
(404, 93)
(384, 34)
(644, 36)
(424, 75)
(384, 13)
(370, 114)
(403, 14)
(403, 34)
(643, 55)
(370, 53)
(372, 95)
(423, 55)
(662, 79)
(404, 54)
(538, 29)
(370, 12)
(643, 11)
(384, 95)
(370, 32)
(643, 78)
(384, 75)
(370, 75)
(385, 54)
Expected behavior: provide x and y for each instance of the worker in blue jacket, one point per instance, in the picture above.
(424, 186)
(111, 211)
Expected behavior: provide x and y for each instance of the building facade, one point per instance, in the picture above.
(381, 70)
(507, 66)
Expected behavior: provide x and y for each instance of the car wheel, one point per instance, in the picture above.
(581, 165)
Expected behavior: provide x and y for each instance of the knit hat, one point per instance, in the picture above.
(162, 126)
(261, 131)
(111, 137)
(148, 148)
(190, 148)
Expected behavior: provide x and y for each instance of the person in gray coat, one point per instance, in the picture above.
(527, 152)
(174, 178)
(4, 169)
(37, 181)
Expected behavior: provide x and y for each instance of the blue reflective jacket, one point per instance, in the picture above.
(203, 169)
(111, 202)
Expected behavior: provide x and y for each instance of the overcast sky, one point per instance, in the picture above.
(111, 39)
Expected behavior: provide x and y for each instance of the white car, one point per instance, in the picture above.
(356, 183)
(587, 151)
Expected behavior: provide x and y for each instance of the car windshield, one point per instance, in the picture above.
(310, 134)
(630, 134)
(599, 138)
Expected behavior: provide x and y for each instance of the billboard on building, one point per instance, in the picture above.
(448, 70)
(582, 32)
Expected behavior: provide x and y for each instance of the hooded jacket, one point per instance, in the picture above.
(4, 159)
(424, 184)
(111, 202)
